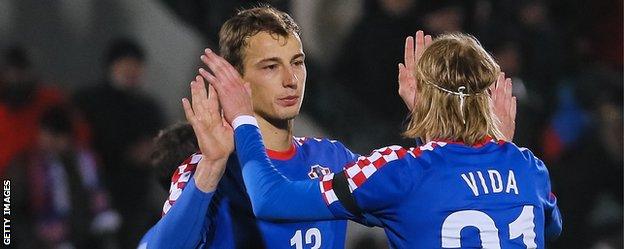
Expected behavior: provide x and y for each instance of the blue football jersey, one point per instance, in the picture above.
(226, 218)
(439, 195)
(313, 159)
(449, 195)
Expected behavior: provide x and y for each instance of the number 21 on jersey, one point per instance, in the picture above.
(455, 222)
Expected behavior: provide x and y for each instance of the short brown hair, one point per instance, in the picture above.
(450, 62)
(247, 23)
(171, 147)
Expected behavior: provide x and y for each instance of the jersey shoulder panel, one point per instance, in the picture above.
(314, 142)
(535, 164)
(326, 148)
(179, 179)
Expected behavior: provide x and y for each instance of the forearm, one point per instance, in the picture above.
(186, 221)
(274, 197)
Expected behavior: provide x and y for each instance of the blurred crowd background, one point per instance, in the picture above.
(86, 85)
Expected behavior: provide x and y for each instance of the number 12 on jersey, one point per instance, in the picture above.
(455, 222)
(297, 239)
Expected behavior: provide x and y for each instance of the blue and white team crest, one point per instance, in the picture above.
(317, 171)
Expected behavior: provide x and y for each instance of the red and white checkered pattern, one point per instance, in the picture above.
(365, 167)
(179, 180)
(415, 152)
(327, 190)
(358, 172)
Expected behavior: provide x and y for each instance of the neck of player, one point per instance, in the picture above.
(277, 134)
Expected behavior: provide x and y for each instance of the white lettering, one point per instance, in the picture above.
(511, 183)
(472, 184)
(496, 181)
(7, 231)
(485, 189)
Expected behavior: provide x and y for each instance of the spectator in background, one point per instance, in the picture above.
(59, 200)
(124, 120)
(22, 101)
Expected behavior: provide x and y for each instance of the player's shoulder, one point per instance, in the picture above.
(314, 141)
(430, 146)
(392, 153)
(191, 160)
(180, 178)
(186, 168)
(385, 168)
(318, 143)
(524, 156)
(526, 153)
(428, 153)
(378, 159)
(521, 153)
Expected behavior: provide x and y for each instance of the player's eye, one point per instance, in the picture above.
(298, 63)
(270, 67)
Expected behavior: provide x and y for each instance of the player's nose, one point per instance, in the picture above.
(289, 77)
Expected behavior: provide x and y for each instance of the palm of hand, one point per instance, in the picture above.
(407, 86)
(504, 105)
(216, 141)
(414, 48)
(214, 135)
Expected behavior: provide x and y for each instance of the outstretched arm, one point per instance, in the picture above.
(273, 196)
(195, 181)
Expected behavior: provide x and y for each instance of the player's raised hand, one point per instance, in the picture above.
(214, 136)
(412, 53)
(233, 92)
(504, 105)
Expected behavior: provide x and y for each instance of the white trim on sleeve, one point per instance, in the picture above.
(244, 119)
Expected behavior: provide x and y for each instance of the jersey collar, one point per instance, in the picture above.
(478, 144)
(282, 155)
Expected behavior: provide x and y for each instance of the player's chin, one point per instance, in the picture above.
(287, 113)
